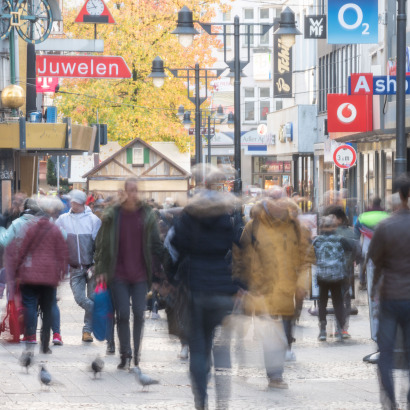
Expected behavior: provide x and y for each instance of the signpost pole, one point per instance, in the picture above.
(209, 139)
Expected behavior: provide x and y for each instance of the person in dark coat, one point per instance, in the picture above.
(204, 236)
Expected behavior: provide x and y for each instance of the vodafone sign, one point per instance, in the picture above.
(349, 113)
(81, 66)
(344, 156)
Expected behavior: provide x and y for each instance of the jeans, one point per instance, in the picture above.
(392, 314)
(32, 296)
(207, 312)
(337, 299)
(347, 299)
(121, 293)
(55, 316)
(83, 291)
(288, 323)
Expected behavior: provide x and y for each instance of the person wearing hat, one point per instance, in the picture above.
(81, 226)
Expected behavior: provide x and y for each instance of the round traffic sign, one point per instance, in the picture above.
(344, 156)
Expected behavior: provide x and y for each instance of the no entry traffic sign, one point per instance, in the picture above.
(344, 156)
(81, 66)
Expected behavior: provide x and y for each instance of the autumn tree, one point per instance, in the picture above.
(134, 107)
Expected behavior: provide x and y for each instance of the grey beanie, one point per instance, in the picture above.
(78, 196)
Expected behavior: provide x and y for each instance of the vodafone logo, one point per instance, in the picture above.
(346, 113)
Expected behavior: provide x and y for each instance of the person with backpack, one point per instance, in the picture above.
(331, 252)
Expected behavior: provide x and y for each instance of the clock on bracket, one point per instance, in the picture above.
(95, 7)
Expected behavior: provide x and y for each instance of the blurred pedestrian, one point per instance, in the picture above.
(125, 248)
(37, 268)
(81, 226)
(204, 237)
(274, 264)
(332, 251)
(389, 252)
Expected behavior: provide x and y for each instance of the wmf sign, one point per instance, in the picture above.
(315, 26)
(352, 22)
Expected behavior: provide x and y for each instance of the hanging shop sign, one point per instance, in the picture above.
(95, 12)
(81, 66)
(282, 68)
(344, 156)
(352, 22)
(349, 113)
(315, 26)
(46, 84)
(368, 84)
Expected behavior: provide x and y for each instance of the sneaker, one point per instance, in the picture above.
(124, 364)
(87, 337)
(345, 334)
(57, 340)
(183, 355)
(155, 316)
(278, 384)
(46, 350)
(31, 340)
(290, 356)
(322, 335)
(110, 348)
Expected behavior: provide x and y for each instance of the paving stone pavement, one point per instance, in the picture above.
(328, 375)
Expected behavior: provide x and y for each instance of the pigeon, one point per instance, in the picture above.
(143, 379)
(97, 365)
(26, 359)
(45, 376)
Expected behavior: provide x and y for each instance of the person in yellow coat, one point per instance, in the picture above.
(273, 260)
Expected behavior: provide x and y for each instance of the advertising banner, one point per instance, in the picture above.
(282, 68)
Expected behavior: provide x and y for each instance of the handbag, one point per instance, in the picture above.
(11, 323)
(102, 312)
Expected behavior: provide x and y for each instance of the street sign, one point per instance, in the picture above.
(96, 12)
(344, 156)
(349, 113)
(81, 66)
(204, 131)
(369, 84)
(352, 22)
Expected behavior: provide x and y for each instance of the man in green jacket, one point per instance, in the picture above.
(128, 253)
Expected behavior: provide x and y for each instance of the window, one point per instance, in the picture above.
(264, 40)
(250, 111)
(138, 156)
(264, 14)
(248, 15)
(226, 18)
(249, 93)
(279, 105)
(264, 108)
(264, 92)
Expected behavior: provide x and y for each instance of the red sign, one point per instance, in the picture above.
(361, 84)
(96, 12)
(46, 84)
(344, 156)
(81, 66)
(349, 113)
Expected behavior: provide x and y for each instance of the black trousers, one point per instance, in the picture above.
(336, 290)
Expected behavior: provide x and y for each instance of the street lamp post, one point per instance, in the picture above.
(158, 75)
(401, 141)
(185, 25)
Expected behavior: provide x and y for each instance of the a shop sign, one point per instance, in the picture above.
(352, 22)
(81, 66)
(96, 12)
(282, 69)
(368, 84)
(344, 156)
(287, 166)
(315, 26)
(262, 66)
(349, 113)
(254, 138)
(46, 84)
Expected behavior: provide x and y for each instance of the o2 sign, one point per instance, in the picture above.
(344, 156)
(352, 22)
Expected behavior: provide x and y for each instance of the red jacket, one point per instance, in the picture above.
(42, 257)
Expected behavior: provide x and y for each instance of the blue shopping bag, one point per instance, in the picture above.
(102, 313)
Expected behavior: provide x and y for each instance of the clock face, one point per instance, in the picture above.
(95, 7)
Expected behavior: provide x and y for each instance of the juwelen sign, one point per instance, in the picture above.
(349, 113)
(81, 66)
(344, 156)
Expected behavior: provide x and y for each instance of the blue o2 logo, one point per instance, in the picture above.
(352, 22)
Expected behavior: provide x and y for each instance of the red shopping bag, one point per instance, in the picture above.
(10, 327)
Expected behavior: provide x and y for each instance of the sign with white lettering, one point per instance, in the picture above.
(368, 84)
(81, 66)
(282, 68)
(315, 26)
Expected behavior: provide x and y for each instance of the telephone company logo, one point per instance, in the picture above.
(346, 113)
